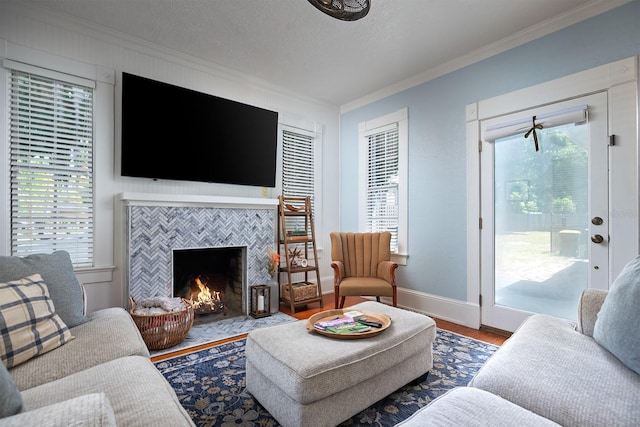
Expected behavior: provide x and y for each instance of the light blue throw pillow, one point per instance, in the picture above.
(57, 272)
(10, 398)
(617, 327)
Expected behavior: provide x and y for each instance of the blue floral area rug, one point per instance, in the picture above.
(210, 384)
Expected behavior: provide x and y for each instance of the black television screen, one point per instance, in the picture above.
(169, 132)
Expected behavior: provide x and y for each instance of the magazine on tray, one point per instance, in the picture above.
(341, 325)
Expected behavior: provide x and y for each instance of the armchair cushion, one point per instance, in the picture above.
(618, 325)
(56, 270)
(357, 286)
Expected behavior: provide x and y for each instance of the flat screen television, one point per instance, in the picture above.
(169, 132)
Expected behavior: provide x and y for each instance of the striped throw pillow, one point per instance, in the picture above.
(28, 322)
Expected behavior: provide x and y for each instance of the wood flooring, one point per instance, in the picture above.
(486, 336)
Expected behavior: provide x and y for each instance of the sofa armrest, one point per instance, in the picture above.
(87, 410)
(588, 308)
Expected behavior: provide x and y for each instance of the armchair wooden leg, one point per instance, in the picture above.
(342, 301)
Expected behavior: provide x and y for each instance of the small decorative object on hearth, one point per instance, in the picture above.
(345, 10)
(260, 301)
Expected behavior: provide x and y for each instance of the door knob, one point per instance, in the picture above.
(596, 220)
(597, 238)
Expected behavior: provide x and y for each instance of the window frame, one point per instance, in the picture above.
(88, 259)
(399, 119)
(314, 131)
(304, 134)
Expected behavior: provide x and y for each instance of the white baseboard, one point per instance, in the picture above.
(459, 312)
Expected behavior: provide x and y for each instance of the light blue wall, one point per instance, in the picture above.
(437, 165)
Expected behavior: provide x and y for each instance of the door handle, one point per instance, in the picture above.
(597, 238)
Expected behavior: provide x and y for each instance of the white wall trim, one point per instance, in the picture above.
(399, 119)
(620, 80)
(542, 29)
(95, 274)
(459, 312)
(153, 199)
(584, 82)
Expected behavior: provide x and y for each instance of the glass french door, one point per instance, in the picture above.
(545, 213)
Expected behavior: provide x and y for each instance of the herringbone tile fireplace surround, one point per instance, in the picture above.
(154, 230)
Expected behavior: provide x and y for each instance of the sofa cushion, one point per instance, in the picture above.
(468, 406)
(87, 410)
(136, 390)
(10, 400)
(555, 371)
(57, 272)
(28, 321)
(617, 327)
(109, 335)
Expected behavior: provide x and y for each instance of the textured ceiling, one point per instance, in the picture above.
(291, 44)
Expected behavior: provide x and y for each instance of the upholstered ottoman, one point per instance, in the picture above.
(306, 379)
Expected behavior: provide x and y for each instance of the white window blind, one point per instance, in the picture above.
(51, 166)
(382, 177)
(565, 116)
(298, 163)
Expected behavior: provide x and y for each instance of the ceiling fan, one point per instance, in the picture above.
(345, 10)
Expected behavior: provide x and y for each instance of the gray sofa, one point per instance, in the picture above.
(101, 377)
(554, 371)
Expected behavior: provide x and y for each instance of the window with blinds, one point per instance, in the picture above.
(298, 163)
(51, 166)
(382, 178)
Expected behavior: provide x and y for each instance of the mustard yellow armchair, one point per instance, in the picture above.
(362, 266)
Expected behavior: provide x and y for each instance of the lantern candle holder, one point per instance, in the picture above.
(260, 301)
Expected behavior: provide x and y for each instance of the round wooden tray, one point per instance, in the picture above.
(324, 316)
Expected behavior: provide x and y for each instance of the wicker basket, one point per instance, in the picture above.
(160, 331)
(301, 291)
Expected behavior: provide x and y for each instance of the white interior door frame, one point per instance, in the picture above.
(620, 80)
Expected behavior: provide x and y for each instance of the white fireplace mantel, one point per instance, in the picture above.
(153, 199)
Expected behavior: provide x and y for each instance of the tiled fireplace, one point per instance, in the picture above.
(157, 230)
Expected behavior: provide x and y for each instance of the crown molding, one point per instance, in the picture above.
(589, 10)
(127, 42)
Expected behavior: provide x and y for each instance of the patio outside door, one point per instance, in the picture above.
(545, 213)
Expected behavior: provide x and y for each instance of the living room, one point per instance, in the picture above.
(590, 48)
(434, 276)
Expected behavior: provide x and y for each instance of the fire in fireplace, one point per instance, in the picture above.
(211, 278)
(206, 300)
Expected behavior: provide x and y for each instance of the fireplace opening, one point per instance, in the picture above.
(212, 279)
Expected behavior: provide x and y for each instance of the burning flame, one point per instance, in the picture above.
(205, 298)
